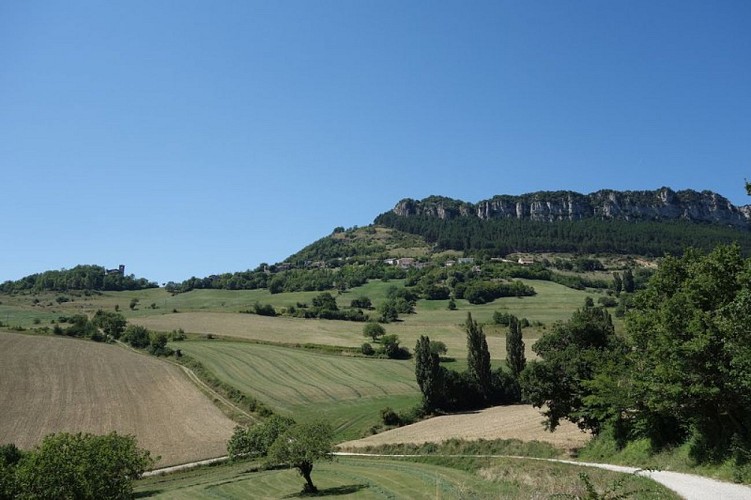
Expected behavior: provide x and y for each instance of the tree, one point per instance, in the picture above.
(133, 303)
(391, 348)
(478, 357)
(373, 330)
(388, 311)
(255, 440)
(439, 348)
(617, 283)
(427, 373)
(692, 352)
(112, 324)
(570, 356)
(628, 281)
(515, 357)
(302, 445)
(137, 336)
(325, 301)
(361, 303)
(82, 466)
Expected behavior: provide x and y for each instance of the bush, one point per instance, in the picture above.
(367, 349)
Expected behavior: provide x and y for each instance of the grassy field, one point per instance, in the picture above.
(54, 384)
(552, 303)
(380, 478)
(347, 392)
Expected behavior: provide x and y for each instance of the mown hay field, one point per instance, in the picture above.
(348, 392)
(55, 384)
(552, 303)
(427, 478)
(522, 422)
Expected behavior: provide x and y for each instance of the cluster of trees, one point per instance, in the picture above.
(98, 328)
(280, 441)
(681, 374)
(479, 386)
(83, 277)
(504, 236)
(335, 276)
(67, 465)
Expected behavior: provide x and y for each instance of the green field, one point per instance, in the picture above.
(345, 391)
(399, 478)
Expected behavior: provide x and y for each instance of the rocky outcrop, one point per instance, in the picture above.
(548, 206)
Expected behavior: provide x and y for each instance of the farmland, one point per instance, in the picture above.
(347, 392)
(398, 478)
(52, 384)
(501, 422)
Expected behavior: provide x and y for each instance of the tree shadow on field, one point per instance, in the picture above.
(334, 491)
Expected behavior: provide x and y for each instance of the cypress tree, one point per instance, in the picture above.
(427, 373)
(478, 357)
(515, 347)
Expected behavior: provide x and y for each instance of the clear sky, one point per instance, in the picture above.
(189, 138)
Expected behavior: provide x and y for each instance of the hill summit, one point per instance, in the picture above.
(662, 204)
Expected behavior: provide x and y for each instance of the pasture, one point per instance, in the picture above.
(348, 392)
(377, 478)
(553, 302)
(56, 384)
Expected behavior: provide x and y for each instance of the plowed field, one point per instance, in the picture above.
(54, 384)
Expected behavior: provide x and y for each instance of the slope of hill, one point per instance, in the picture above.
(54, 384)
(632, 222)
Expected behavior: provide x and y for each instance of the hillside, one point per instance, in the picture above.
(55, 384)
(650, 223)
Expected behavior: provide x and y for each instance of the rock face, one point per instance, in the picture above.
(547, 206)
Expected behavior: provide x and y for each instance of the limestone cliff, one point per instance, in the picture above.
(661, 204)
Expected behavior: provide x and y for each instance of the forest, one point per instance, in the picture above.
(498, 237)
(82, 277)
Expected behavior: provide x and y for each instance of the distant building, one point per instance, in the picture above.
(466, 260)
(405, 262)
(526, 262)
(120, 270)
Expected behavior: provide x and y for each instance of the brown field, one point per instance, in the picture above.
(54, 384)
(500, 422)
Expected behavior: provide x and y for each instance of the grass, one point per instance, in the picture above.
(348, 392)
(369, 477)
(639, 453)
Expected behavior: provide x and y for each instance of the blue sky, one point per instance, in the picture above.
(189, 138)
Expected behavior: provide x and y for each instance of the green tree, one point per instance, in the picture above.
(478, 357)
(255, 440)
(112, 324)
(133, 303)
(388, 311)
(617, 283)
(325, 301)
(137, 336)
(373, 330)
(82, 466)
(570, 356)
(427, 373)
(391, 348)
(692, 352)
(628, 281)
(515, 358)
(302, 445)
(439, 348)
